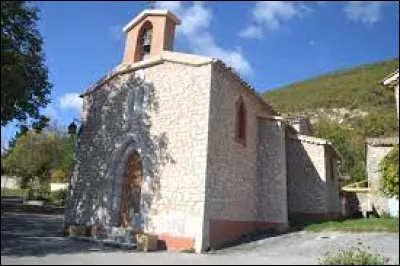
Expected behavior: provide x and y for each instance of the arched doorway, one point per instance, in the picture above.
(131, 189)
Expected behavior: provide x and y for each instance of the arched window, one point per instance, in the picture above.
(144, 41)
(240, 135)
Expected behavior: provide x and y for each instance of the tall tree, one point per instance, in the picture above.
(24, 77)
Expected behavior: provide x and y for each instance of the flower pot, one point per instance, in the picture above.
(146, 242)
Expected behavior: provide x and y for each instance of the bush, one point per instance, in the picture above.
(389, 170)
(59, 197)
(354, 256)
(58, 175)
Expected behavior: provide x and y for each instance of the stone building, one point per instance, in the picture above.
(377, 149)
(392, 82)
(179, 146)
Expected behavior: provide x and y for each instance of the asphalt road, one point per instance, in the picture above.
(37, 239)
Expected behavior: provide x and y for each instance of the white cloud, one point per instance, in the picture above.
(252, 31)
(173, 6)
(364, 11)
(71, 101)
(271, 14)
(205, 44)
(51, 112)
(195, 29)
(311, 42)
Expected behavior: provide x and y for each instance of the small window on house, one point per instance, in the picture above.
(240, 121)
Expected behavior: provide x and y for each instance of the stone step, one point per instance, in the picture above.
(107, 242)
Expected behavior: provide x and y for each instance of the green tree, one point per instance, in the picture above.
(389, 170)
(24, 76)
(350, 143)
(38, 155)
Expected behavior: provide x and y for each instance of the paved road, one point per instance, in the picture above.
(37, 239)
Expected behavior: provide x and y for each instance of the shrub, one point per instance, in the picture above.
(190, 250)
(58, 175)
(389, 170)
(60, 196)
(354, 256)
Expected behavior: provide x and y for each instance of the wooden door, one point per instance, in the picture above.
(131, 186)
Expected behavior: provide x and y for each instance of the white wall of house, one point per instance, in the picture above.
(58, 186)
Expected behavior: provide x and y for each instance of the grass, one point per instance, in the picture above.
(355, 256)
(352, 225)
(54, 198)
(7, 192)
(357, 87)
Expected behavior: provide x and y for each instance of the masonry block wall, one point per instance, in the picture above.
(307, 189)
(396, 95)
(171, 103)
(332, 184)
(271, 175)
(232, 190)
(375, 154)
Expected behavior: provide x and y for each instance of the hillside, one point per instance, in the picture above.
(356, 88)
(345, 107)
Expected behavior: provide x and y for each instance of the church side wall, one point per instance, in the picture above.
(232, 170)
(307, 188)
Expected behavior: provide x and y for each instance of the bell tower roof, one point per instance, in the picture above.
(151, 12)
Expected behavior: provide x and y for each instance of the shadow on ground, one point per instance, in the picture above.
(39, 235)
(245, 239)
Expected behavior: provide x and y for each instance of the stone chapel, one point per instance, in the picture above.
(180, 146)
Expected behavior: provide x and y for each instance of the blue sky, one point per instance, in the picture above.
(270, 43)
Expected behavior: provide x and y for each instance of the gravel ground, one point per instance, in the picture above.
(37, 239)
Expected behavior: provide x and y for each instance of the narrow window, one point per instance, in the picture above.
(145, 40)
(241, 122)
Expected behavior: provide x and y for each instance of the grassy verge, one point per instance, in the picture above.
(352, 225)
(56, 198)
(7, 192)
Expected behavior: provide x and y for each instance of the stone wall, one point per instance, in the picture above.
(232, 170)
(162, 113)
(272, 173)
(332, 182)
(375, 154)
(309, 188)
(396, 94)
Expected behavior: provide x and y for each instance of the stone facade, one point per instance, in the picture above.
(300, 124)
(313, 184)
(396, 94)
(242, 180)
(162, 113)
(377, 149)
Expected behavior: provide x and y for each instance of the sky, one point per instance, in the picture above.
(271, 43)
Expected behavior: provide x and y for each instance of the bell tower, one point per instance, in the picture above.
(148, 34)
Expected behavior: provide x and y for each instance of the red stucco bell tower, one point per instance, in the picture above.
(148, 34)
